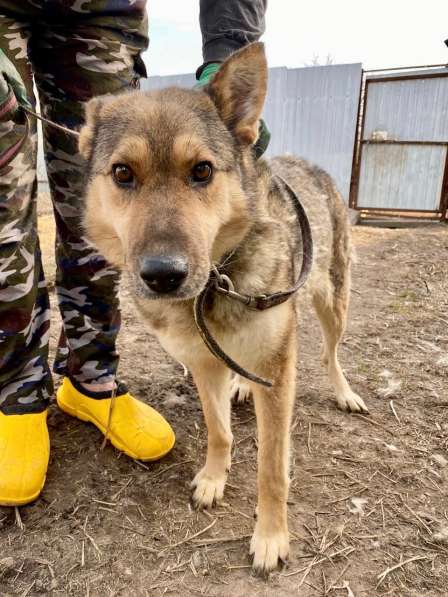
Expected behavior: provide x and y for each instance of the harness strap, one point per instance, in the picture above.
(213, 345)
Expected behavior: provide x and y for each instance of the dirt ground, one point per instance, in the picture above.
(368, 507)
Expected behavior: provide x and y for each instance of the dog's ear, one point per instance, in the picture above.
(86, 135)
(239, 89)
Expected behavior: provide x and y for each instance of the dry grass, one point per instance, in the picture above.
(368, 510)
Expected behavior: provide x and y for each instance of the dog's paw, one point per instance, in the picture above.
(269, 551)
(352, 403)
(240, 390)
(208, 489)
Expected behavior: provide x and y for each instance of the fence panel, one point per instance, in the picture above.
(401, 177)
(403, 159)
(312, 113)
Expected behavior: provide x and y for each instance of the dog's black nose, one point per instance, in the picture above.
(163, 274)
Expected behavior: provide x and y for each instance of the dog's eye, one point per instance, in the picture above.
(202, 172)
(123, 175)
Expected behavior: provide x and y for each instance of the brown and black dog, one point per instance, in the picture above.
(173, 188)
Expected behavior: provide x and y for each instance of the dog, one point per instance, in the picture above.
(172, 189)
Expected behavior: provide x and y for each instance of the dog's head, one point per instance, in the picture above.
(167, 194)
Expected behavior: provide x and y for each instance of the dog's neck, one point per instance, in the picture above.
(241, 245)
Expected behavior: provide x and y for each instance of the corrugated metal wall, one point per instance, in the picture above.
(312, 113)
(401, 177)
(187, 80)
(409, 110)
(404, 175)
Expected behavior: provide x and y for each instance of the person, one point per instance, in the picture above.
(72, 50)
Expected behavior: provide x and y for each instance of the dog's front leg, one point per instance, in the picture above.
(273, 407)
(212, 380)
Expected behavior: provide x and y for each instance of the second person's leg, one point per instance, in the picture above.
(25, 378)
(79, 55)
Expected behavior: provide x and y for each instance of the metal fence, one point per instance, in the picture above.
(313, 112)
(403, 162)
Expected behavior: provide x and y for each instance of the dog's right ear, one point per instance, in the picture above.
(85, 141)
(238, 90)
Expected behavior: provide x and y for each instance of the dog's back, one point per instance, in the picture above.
(328, 218)
(277, 231)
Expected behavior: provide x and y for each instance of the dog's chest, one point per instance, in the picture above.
(246, 336)
(175, 329)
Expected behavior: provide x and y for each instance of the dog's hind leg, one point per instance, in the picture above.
(331, 308)
(270, 541)
(212, 381)
(240, 390)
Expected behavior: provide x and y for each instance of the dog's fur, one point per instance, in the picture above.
(161, 135)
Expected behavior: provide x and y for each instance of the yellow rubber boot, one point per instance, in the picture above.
(24, 455)
(135, 428)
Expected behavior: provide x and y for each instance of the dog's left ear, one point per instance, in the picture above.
(239, 89)
(85, 141)
(92, 112)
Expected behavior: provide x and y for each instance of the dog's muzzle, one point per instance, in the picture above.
(163, 274)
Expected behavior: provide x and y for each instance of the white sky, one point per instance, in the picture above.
(378, 33)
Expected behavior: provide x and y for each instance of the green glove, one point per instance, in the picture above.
(10, 79)
(264, 136)
(207, 73)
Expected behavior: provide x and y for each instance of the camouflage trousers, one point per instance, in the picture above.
(72, 50)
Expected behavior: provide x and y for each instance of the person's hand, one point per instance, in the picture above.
(207, 73)
(10, 79)
(264, 136)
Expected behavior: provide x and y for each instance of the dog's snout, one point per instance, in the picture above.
(163, 274)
